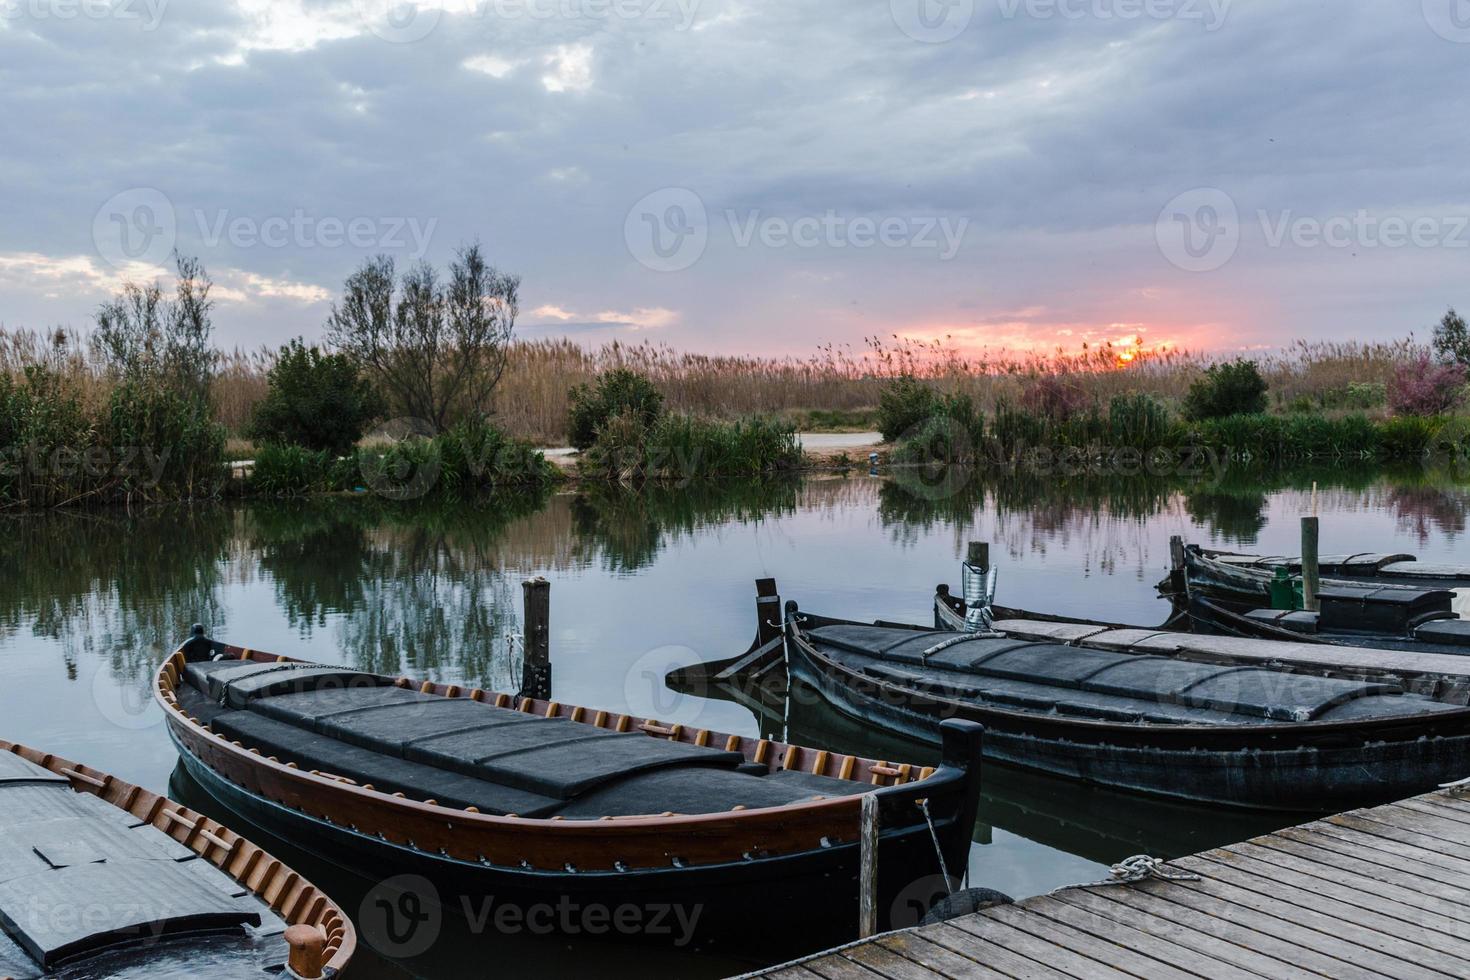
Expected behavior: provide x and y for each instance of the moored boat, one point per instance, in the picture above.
(99, 877)
(537, 802)
(1248, 578)
(1286, 726)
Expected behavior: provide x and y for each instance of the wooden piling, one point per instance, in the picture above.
(868, 867)
(979, 555)
(536, 657)
(1311, 569)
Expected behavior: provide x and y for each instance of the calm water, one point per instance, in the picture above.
(89, 604)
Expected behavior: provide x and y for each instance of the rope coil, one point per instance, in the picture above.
(1140, 867)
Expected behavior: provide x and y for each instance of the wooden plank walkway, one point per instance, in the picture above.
(1380, 894)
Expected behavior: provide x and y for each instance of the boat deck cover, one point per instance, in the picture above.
(78, 876)
(1113, 683)
(464, 753)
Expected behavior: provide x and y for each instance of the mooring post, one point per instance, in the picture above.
(536, 657)
(1178, 576)
(979, 556)
(306, 947)
(868, 867)
(1311, 569)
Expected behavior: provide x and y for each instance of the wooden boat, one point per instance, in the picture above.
(1247, 578)
(101, 878)
(1283, 726)
(536, 802)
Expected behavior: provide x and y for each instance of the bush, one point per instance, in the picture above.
(1056, 396)
(43, 432)
(473, 459)
(614, 393)
(180, 448)
(1139, 421)
(1233, 388)
(684, 448)
(905, 403)
(286, 471)
(316, 400)
(1422, 387)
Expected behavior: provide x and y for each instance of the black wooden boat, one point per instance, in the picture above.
(1286, 726)
(1247, 578)
(540, 803)
(100, 878)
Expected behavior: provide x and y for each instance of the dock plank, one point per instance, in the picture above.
(1372, 894)
(944, 962)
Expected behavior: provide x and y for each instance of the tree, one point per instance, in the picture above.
(1233, 388)
(317, 400)
(1452, 339)
(437, 351)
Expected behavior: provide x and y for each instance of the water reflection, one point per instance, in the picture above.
(89, 603)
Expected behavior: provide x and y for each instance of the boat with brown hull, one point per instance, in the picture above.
(536, 802)
(99, 877)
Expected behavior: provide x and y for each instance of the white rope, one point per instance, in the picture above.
(1140, 867)
(938, 851)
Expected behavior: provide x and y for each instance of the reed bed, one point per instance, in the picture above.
(834, 387)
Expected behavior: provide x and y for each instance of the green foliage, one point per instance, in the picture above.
(1452, 339)
(44, 433)
(288, 471)
(614, 393)
(472, 460)
(684, 448)
(904, 404)
(316, 400)
(1139, 421)
(1233, 388)
(180, 449)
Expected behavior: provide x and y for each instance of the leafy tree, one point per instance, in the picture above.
(1452, 339)
(1232, 388)
(614, 393)
(316, 400)
(437, 350)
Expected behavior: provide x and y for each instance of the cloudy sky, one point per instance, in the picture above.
(755, 175)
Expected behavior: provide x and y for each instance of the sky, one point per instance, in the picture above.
(755, 176)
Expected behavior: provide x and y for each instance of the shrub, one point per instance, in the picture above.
(1233, 388)
(44, 431)
(614, 393)
(905, 403)
(1422, 387)
(180, 448)
(684, 448)
(1139, 421)
(473, 459)
(288, 470)
(1056, 396)
(315, 400)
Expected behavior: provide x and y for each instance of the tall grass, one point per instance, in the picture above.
(834, 383)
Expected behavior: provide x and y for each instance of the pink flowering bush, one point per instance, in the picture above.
(1424, 387)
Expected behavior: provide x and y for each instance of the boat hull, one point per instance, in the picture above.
(704, 907)
(1309, 772)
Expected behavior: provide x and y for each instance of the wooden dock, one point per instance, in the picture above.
(1366, 895)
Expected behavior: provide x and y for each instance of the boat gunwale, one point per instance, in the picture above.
(1302, 733)
(810, 813)
(296, 900)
